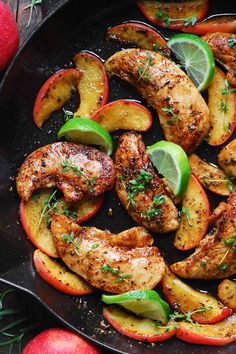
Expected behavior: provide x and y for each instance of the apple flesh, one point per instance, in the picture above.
(141, 329)
(54, 93)
(227, 293)
(210, 176)
(222, 108)
(37, 228)
(123, 114)
(175, 11)
(59, 341)
(213, 24)
(58, 276)
(9, 38)
(138, 35)
(220, 333)
(93, 86)
(184, 298)
(194, 216)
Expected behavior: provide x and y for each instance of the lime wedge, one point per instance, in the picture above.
(88, 132)
(144, 303)
(171, 162)
(195, 56)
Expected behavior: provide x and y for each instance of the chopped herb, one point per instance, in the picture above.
(67, 165)
(121, 277)
(167, 20)
(186, 213)
(226, 90)
(93, 247)
(223, 107)
(68, 238)
(169, 110)
(203, 263)
(142, 71)
(231, 241)
(231, 41)
(222, 267)
(67, 115)
(32, 6)
(186, 316)
(151, 213)
(138, 185)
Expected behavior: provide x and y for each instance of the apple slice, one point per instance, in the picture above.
(141, 329)
(123, 114)
(138, 35)
(227, 293)
(54, 93)
(58, 276)
(93, 86)
(174, 15)
(212, 24)
(211, 176)
(220, 333)
(183, 298)
(194, 216)
(222, 106)
(36, 216)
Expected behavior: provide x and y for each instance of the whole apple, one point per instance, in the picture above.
(59, 341)
(9, 36)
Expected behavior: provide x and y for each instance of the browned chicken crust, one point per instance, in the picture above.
(227, 158)
(75, 169)
(223, 53)
(215, 257)
(183, 113)
(114, 263)
(130, 159)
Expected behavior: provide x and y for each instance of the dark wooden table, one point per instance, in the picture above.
(23, 303)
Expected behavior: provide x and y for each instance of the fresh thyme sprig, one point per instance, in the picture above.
(167, 20)
(143, 71)
(206, 182)
(169, 110)
(50, 206)
(115, 271)
(32, 6)
(67, 165)
(231, 243)
(70, 239)
(186, 316)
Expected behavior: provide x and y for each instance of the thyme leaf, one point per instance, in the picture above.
(167, 20)
(32, 6)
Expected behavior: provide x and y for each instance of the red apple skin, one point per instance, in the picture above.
(59, 341)
(91, 213)
(140, 337)
(212, 25)
(9, 38)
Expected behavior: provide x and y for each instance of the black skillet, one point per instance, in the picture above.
(51, 48)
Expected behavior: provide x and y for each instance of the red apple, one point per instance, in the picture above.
(138, 35)
(54, 93)
(93, 86)
(9, 37)
(212, 24)
(141, 329)
(220, 333)
(58, 276)
(173, 14)
(123, 114)
(59, 341)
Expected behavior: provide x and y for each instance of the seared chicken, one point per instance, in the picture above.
(225, 54)
(114, 263)
(183, 113)
(227, 158)
(139, 188)
(75, 169)
(215, 256)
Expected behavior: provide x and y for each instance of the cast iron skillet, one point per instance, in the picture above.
(52, 48)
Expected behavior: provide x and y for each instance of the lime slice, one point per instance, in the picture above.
(88, 132)
(171, 161)
(144, 303)
(195, 56)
